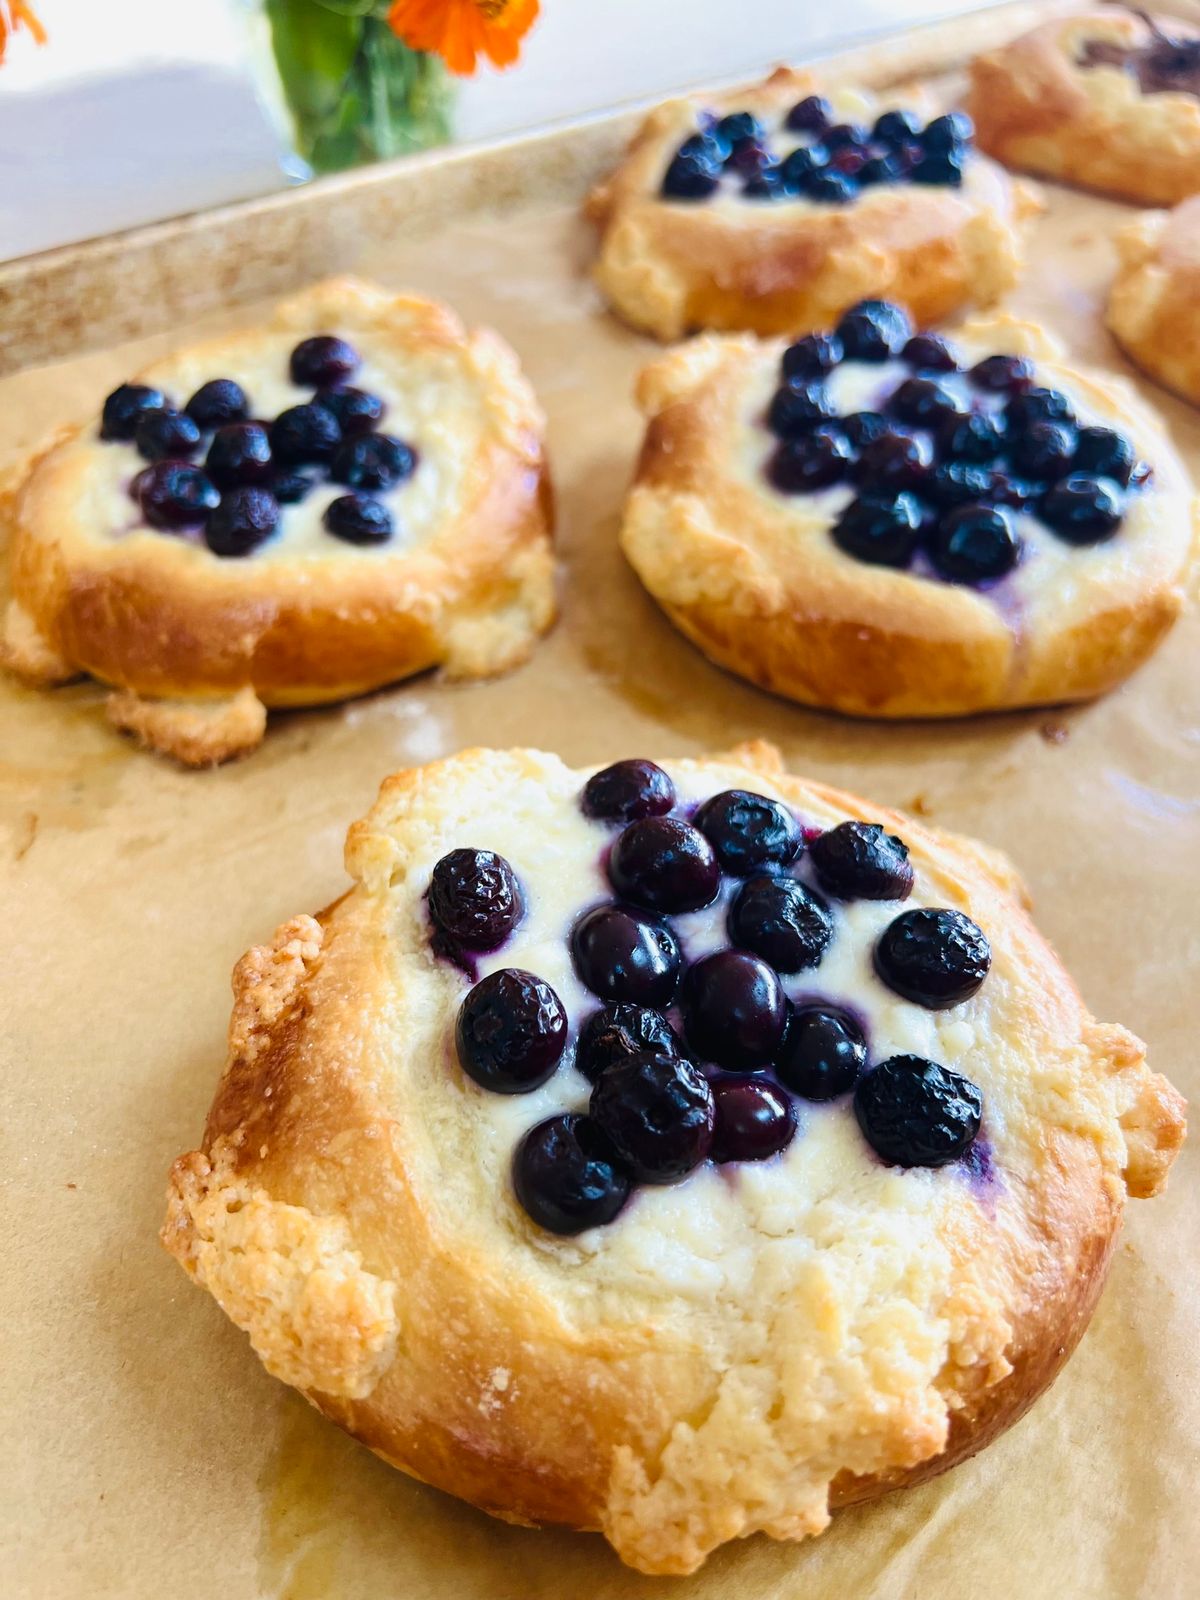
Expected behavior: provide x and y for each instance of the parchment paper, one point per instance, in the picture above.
(148, 1453)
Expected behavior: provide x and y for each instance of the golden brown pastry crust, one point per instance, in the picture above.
(197, 646)
(670, 268)
(1154, 303)
(324, 1212)
(755, 580)
(1037, 110)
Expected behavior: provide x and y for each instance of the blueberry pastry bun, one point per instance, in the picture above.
(1154, 303)
(675, 1151)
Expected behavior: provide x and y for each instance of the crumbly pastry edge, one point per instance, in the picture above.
(472, 1409)
(1152, 303)
(194, 659)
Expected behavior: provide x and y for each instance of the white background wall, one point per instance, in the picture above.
(139, 109)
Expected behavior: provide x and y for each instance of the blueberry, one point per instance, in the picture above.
(1002, 374)
(764, 184)
(781, 921)
(323, 360)
(862, 861)
(664, 864)
(734, 1010)
(124, 408)
(823, 1053)
(889, 168)
(798, 407)
(705, 149)
(1082, 509)
(894, 461)
(1044, 450)
(567, 1176)
(687, 178)
(861, 427)
(738, 128)
(1007, 490)
(242, 521)
(657, 1112)
(955, 483)
(627, 791)
(934, 958)
(475, 899)
(217, 402)
(1104, 453)
(841, 134)
(620, 1030)
(511, 1032)
(831, 187)
(974, 543)
(924, 402)
(800, 166)
(927, 352)
(164, 433)
(174, 494)
(754, 1121)
(1037, 404)
(289, 488)
(240, 452)
(874, 330)
(813, 114)
(749, 832)
(811, 462)
(358, 519)
(849, 160)
(880, 528)
(977, 437)
(939, 167)
(811, 357)
(948, 132)
(304, 434)
(896, 127)
(372, 461)
(357, 412)
(914, 1113)
(624, 954)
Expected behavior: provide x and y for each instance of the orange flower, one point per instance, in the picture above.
(460, 30)
(17, 14)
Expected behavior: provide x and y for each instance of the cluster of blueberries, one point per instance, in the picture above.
(695, 1062)
(938, 469)
(838, 160)
(252, 468)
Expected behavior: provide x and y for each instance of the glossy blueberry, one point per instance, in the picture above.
(754, 1120)
(925, 402)
(356, 410)
(823, 1053)
(915, 1113)
(934, 958)
(896, 127)
(1104, 453)
(974, 543)
(874, 330)
(705, 148)
(841, 134)
(358, 519)
(811, 357)
(813, 114)
(894, 461)
(831, 187)
(749, 832)
(619, 1030)
(658, 1113)
(734, 1010)
(797, 407)
(1002, 374)
(475, 899)
(690, 178)
(939, 167)
(765, 184)
(242, 521)
(862, 861)
(949, 131)
(304, 434)
(849, 159)
(124, 408)
(813, 461)
(164, 433)
(956, 483)
(217, 402)
(880, 528)
(1007, 490)
(289, 487)
(664, 864)
(748, 157)
(567, 1175)
(861, 427)
(975, 438)
(800, 166)
(887, 168)
(1043, 450)
(627, 791)
(738, 127)
(174, 494)
(1082, 509)
(1037, 404)
(928, 352)
(240, 453)
(323, 360)
(781, 921)
(624, 954)
(511, 1032)
(372, 461)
